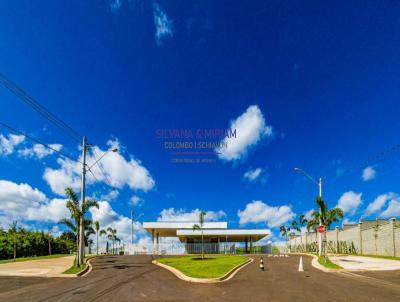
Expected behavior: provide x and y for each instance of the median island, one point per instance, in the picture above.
(211, 267)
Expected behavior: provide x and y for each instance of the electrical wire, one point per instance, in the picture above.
(11, 129)
(23, 96)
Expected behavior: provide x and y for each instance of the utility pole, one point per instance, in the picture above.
(81, 252)
(320, 219)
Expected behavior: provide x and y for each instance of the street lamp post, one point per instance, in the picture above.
(81, 245)
(132, 220)
(319, 184)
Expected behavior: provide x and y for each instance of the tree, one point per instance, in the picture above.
(326, 216)
(313, 223)
(199, 226)
(14, 232)
(76, 214)
(284, 231)
(112, 235)
(98, 233)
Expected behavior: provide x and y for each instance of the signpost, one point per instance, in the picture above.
(321, 229)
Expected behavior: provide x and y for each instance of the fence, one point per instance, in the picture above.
(376, 237)
(179, 248)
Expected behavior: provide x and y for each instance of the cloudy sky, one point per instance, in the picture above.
(312, 86)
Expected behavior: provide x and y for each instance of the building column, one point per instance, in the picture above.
(152, 239)
(158, 241)
(393, 222)
(337, 239)
(360, 237)
(245, 246)
(251, 245)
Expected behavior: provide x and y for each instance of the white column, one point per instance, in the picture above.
(392, 222)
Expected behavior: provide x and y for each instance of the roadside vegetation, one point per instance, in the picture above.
(19, 244)
(327, 263)
(207, 267)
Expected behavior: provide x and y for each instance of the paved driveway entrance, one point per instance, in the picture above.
(134, 278)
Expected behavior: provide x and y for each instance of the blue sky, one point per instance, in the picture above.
(313, 85)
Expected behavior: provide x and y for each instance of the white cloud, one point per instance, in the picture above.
(368, 173)
(193, 216)
(378, 203)
(135, 200)
(252, 175)
(307, 215)
(163, 24)
(23, 203)
(7, 144)
(39, 151)
(113, 194)
(349, 202)
(257, 211)
(390, 199)
(250, 129)
(113, 169)
(393, 209)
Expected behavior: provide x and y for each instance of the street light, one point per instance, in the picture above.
(132, 220)
(319, 184)
(81, 246)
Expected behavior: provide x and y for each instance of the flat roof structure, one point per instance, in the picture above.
(184, 230)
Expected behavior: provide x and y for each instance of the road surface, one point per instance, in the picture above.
(134, 278)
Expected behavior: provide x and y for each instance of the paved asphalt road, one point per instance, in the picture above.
(134, 278)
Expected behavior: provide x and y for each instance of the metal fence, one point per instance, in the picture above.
(178, 248)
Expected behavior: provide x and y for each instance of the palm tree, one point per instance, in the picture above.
(313, 223)
(302, 220)
(98, 233)
(14, 231)
(326, 216)
(199, 226)
(112, 235)
(284, 231)
(76, 214)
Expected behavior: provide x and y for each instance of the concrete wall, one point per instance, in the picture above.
(374, 237)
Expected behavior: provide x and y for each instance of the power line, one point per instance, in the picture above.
(108, 180)
(37, 141)
(23, 96)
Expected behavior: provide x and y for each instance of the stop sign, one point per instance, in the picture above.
(321, 229)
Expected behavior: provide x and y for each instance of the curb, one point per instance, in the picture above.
(87, 269)
(315, 264)
(224, 278)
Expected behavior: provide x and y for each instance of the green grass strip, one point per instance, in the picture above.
(328, 263)
(209, 267)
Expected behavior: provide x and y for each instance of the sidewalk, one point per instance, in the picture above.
(38, 268)
(361, 263)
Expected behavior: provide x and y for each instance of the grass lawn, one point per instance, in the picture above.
(33, 258)
(328, 263)
(76, 269)
(210, 267)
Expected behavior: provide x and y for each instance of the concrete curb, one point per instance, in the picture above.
(224, 278)
(315, 264)
(87, 269)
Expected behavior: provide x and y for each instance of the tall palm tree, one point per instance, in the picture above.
(112, 235)
(76, 213)
(98, 233)
(284, 231)
(313, 223)
(199, 226)
(327, 216)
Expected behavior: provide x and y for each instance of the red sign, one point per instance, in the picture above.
(321, 229)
